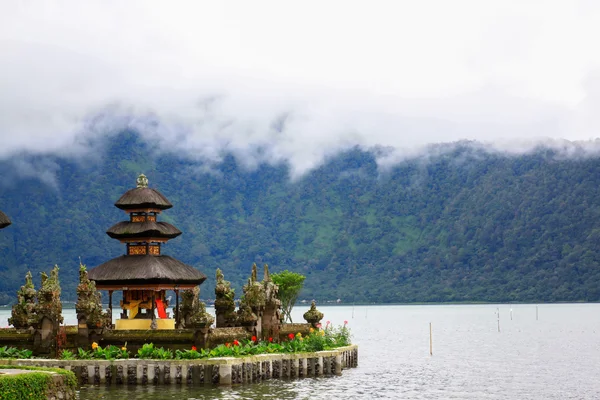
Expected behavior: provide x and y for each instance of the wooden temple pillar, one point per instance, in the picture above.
(176, 309)
(153, 324)
(110, 307)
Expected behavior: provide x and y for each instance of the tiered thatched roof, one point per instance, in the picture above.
(147, 229)
(143, 197)
(145, 270)
(4, 220)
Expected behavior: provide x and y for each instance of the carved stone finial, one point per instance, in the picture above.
(142, 181)
(313, 316)
(254, 276)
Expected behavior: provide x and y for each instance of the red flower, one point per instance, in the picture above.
(227, 344)
(236, 343)
(254, 338)
(291, 336)
(194, 348)
(270, 339)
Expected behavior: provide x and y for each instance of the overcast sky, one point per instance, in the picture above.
(299, 80)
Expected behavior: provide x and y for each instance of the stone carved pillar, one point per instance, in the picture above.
(225, 303)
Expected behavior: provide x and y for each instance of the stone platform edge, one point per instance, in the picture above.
(218, 371)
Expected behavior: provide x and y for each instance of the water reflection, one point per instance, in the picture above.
(281, 389)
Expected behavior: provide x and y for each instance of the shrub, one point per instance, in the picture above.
(32, 386)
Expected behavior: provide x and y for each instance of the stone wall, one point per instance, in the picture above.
(221, 371)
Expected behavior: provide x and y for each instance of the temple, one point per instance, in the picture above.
(144, 274)
(4, 221)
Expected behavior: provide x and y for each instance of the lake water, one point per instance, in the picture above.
(556, 356)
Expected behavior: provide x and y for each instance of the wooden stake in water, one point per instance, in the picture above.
(498, 312)
(430, 341)
(511, 314)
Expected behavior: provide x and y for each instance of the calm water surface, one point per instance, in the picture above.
(554, 357)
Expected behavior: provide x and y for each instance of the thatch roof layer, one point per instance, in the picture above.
(4, 220)
(145, 269)
(127, 229)
(143, 197)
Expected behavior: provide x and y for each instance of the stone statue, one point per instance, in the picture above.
(254, 293)
(142, 181)
(271, 318)
(89, 304)
(193, 311)
(49, 304)
(224, 302)
(246, 317)
(23, 313)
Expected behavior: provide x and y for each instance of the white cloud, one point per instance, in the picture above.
(297, 80)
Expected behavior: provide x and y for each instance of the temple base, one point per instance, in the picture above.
(144, 324)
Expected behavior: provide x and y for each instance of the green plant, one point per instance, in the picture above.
(149, 351)
(13, 352)
(146, 350)
(192, 354)
(337, 337)
(84, 354)
(162, 354)
(67, 355)
(316, 341)
(110, 352)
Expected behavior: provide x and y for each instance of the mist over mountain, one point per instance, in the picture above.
(459, 223)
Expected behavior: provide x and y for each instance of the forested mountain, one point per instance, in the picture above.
(462, 225)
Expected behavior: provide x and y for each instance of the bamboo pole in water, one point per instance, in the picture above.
(430, 341)
(498, 312)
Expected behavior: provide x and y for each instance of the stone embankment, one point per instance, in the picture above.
(219, 371)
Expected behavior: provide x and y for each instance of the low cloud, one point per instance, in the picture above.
(270, 82)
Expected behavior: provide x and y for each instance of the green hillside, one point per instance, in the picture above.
(464, 225)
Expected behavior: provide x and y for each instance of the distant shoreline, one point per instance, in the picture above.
(71, 305)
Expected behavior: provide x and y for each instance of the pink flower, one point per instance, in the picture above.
(345, 322)
(319, 326)
(327, 323)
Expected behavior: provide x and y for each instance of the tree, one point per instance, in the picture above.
(290, 284)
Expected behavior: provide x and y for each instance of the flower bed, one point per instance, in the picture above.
(318, 339)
